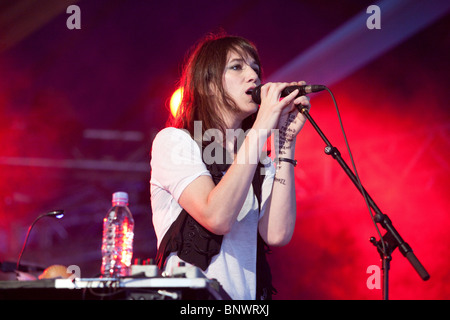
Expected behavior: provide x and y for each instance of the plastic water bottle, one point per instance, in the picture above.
(118, 233)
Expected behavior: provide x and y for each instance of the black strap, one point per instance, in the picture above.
(197, 245)
(264, 287)
(194, 243)
(191, 241)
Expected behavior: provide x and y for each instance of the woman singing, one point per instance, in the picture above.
(217, 201)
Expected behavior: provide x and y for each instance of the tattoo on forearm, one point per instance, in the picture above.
(286, 135)
(279, 180)
(285, 140)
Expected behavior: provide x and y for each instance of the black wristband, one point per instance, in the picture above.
(294, 162)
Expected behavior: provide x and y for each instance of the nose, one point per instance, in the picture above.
(251, 75)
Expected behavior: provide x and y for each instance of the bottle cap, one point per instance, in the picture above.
(120, 196)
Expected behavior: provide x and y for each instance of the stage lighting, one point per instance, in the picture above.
(175, 101)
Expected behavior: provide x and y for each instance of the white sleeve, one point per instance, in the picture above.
(175, 161)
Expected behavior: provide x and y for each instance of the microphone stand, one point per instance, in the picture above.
(55, 214)
(391, 239)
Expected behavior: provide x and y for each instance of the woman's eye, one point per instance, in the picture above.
(236, 67)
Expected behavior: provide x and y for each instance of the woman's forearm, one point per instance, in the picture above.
(278, 223)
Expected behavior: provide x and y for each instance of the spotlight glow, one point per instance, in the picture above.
(175, 101)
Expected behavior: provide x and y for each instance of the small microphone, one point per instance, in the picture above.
(303, 90)
(58, 214)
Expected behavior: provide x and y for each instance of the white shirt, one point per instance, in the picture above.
(176, 162)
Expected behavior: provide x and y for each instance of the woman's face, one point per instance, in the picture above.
(240, 78)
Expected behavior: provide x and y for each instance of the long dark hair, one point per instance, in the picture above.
(204, 67)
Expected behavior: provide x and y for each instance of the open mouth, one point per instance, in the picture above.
(249, 92)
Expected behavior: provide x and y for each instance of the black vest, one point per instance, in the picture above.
(196, 245)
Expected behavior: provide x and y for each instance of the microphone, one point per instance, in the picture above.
(303, 90)
(58, 214)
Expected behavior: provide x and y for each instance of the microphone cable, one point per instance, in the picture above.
(355, 171)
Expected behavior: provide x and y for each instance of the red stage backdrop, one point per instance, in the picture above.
(395, 112)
